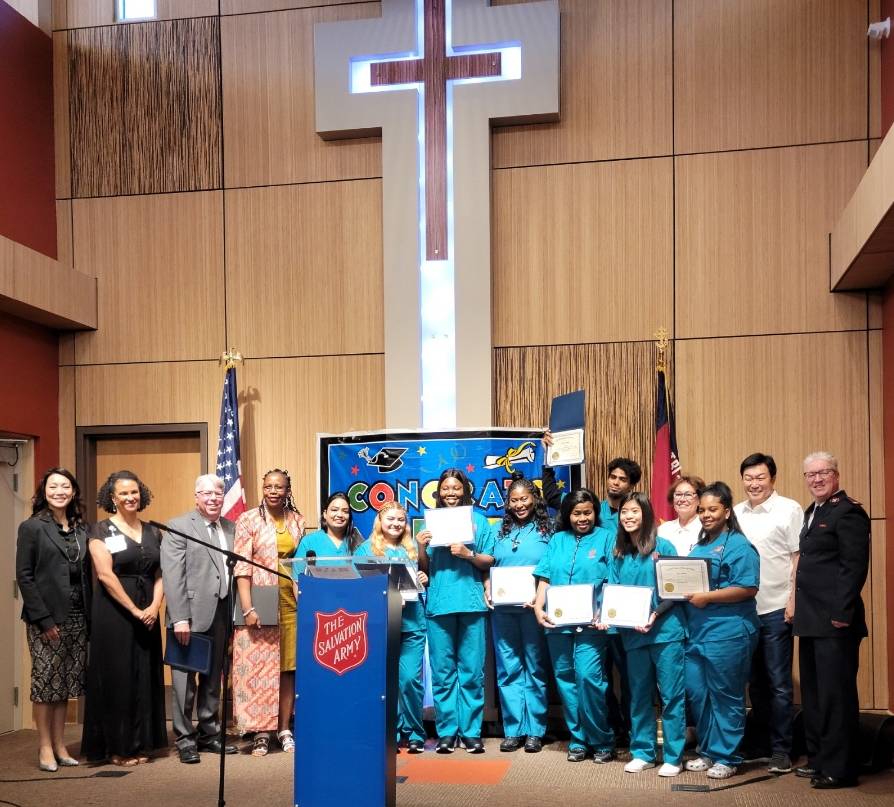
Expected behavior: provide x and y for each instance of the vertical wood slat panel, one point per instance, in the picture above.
(620, 416)
(145, 112)
(61, 122)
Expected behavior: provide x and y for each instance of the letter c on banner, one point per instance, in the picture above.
(355, 497)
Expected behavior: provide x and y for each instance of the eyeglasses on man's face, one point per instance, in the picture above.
(823, 473)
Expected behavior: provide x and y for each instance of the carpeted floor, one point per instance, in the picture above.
(489, 780)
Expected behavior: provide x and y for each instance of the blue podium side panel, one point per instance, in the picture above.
(345, 692)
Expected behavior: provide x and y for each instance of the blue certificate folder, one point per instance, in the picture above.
(194, 657)
(567, 412)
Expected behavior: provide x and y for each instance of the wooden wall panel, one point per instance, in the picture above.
(866, 672)
(878, 628)
(874, 49)
(159, 260)
(752, 253)
(615, 88)
(284, 403)
(252, 6)
(784, 395)
(875, 309)
(61, 127)
(876, 503)
(750, 73)
(304, 269)
(145, 113)
(155, 392)
(67, 417)
(582, 253)
(89, 13)
(60, 14)
(66, 348)
(64, 245)
(268, 75)
(620, 418)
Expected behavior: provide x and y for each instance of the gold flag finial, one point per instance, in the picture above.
(230, 358)
(661, 343)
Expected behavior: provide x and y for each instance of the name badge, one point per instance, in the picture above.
(115, 543)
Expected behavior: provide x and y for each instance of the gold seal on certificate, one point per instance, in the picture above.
(557, 613)
(612, 613)
(567, 448)
(501, 592)
(678, 577)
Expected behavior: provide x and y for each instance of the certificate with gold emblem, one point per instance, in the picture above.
(570, 605)
(626, 606)
(567, 448)
(512, 585)
(677, 577)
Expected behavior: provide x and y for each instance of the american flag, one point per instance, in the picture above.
(229, 465)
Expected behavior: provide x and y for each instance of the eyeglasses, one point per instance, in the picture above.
(684, 496)
(821, 474)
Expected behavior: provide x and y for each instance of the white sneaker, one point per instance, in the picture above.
(669, 770)
(698, 764)
(721, 771)
(637, 765)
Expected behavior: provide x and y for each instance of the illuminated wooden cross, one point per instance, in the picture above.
(431, 75)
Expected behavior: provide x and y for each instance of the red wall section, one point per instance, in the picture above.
(29, 387)
(887, 69)
(27, 181)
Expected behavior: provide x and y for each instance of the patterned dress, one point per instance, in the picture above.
(256, 656)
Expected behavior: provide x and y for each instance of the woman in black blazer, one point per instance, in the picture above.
(51, 571)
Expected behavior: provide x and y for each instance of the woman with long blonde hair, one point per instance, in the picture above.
(392, 538)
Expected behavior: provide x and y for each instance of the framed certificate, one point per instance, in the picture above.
(567, 448)
(450, 525)
(626, 606)
(677, 577)
(570, 605)
(512, 585)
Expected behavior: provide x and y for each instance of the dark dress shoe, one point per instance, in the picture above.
(832, 782)
(511, 744)
(445, 745)
(806, 772)
(415, 746)
(214, 747)
(533, 745)
(189, 755)
(473, 745)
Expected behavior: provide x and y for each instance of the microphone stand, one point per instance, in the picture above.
(232, 558)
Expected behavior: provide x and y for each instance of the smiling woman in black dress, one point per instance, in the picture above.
(124, 718)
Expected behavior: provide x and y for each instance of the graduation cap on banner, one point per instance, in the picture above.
(385, 459)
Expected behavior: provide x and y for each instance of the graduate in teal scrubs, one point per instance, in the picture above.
(520, 539)
(336, 537)
(655, 650)
(578, 553)
(391, 539)
(723, 632)
(457, 621)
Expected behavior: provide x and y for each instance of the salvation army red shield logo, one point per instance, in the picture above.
(340, 643)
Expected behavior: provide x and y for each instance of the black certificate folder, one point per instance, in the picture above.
(194, 657)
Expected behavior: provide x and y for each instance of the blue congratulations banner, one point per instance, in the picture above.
(378, 467)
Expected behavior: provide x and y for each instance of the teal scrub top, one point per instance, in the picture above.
(319, 542)
(608, 518)
(734, 562)
(576, 559)
(455, 585)
(413, 613)
(636, 570)
(521, 546)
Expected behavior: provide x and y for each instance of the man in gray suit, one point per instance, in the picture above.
(196, 589)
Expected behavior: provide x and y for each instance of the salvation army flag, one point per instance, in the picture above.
(229, 465)
(665, 462)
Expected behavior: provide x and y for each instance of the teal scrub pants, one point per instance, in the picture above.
(662, 665)
(520, 655)
(579, 667)
(456, 649)
(409, 696)
(716, 676)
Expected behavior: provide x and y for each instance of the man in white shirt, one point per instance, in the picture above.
(773, 524)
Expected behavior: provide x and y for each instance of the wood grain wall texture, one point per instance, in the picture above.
(145, 108)
(704, 149)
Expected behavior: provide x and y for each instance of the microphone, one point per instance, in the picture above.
(311, 557)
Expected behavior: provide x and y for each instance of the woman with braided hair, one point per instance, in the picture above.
(520, 539)
(264, 655)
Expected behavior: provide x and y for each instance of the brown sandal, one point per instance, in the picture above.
(124, 762)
